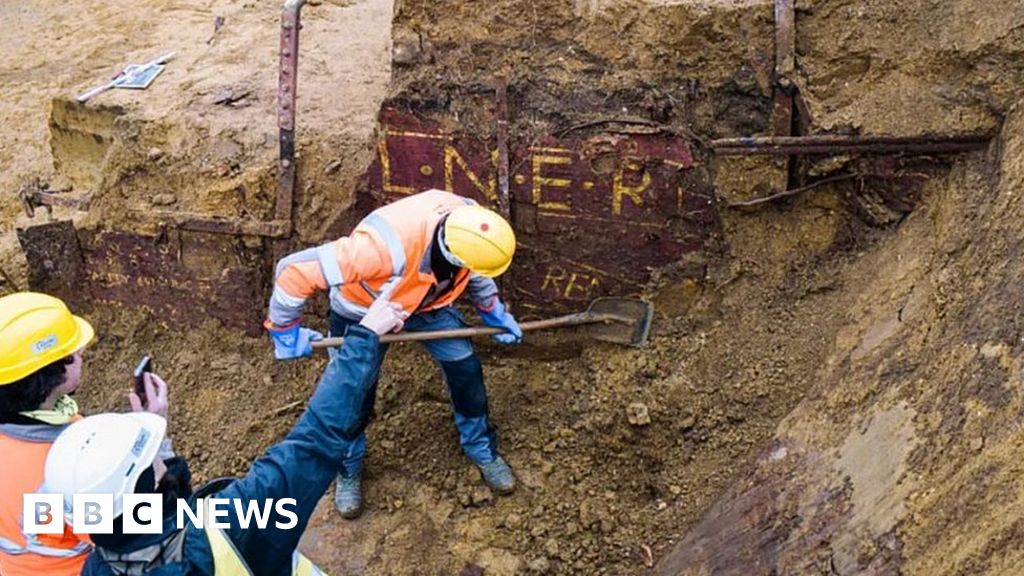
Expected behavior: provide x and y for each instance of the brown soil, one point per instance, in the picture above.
(845, 385)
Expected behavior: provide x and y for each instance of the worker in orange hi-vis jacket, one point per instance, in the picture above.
(426, 250)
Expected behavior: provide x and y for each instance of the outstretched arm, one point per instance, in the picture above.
(303, 465)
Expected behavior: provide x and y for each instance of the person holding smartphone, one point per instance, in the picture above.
(93, 455)
(41, 346)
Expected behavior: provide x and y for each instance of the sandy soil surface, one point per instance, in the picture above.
(129, 147)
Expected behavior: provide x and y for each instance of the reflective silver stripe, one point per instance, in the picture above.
(32, 432)
(286, 299)
(391, 240)
(342, 306)
(8, 547)
(34, 547)
(328, 258)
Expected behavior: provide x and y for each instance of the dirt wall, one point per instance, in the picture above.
(906, 445)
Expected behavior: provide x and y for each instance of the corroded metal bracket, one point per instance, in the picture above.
(37, 194)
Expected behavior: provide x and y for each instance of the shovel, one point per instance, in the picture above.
(618, 320)
(135, 76)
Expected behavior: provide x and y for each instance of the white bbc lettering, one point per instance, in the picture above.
(93, 513)
(142, 513)
(42, 514)
(253, 509)
(280, 506)
(195, 518)
(218, 508)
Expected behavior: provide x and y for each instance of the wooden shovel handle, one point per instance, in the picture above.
(570, 320)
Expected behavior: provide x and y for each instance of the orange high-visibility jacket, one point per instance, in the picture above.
(23, 450)
(391, 245)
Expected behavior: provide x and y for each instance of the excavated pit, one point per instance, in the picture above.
(832, 384)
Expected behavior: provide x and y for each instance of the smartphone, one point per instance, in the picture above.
(145, 365)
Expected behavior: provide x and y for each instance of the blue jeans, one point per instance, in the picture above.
(462, 373)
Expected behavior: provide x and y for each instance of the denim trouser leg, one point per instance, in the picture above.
(352, 463)
(463, 375)
(465, 379)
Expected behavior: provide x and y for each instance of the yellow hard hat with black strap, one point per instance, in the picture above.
(481, 239)
(35, 331)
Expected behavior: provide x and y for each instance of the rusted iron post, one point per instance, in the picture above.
(849, 143)
(287, 86)
(785, 65)
(501, 113)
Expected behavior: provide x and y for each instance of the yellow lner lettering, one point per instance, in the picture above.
(451, 158)
(620, 189)
(581, 283)
(539, 181)
(553, 278)
(385, 169)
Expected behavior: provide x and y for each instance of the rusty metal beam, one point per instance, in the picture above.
(785, 66)
(785, 39)
(844, 143)
(853, 149)
(287, 87)
(782, 113)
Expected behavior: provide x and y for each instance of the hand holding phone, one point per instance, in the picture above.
(145, 365)
(150, 392)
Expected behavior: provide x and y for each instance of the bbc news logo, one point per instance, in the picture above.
(144, 513)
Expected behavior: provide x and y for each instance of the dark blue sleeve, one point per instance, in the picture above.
(303, 465)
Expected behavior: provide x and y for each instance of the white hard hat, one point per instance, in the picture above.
(103, 454)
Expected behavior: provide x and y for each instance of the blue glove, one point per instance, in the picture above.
(498, 317)
(292, 341)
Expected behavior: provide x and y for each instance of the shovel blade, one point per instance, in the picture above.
(627, 320)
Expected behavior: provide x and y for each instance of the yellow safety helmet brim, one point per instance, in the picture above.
(85, 334)
(493, 272)
(481, 239)
(35, 331)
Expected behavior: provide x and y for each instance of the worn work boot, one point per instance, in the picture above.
(348, 496)
(498, 476)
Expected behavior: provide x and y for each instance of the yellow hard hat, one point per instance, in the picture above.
(37, 330)
(481, 239)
